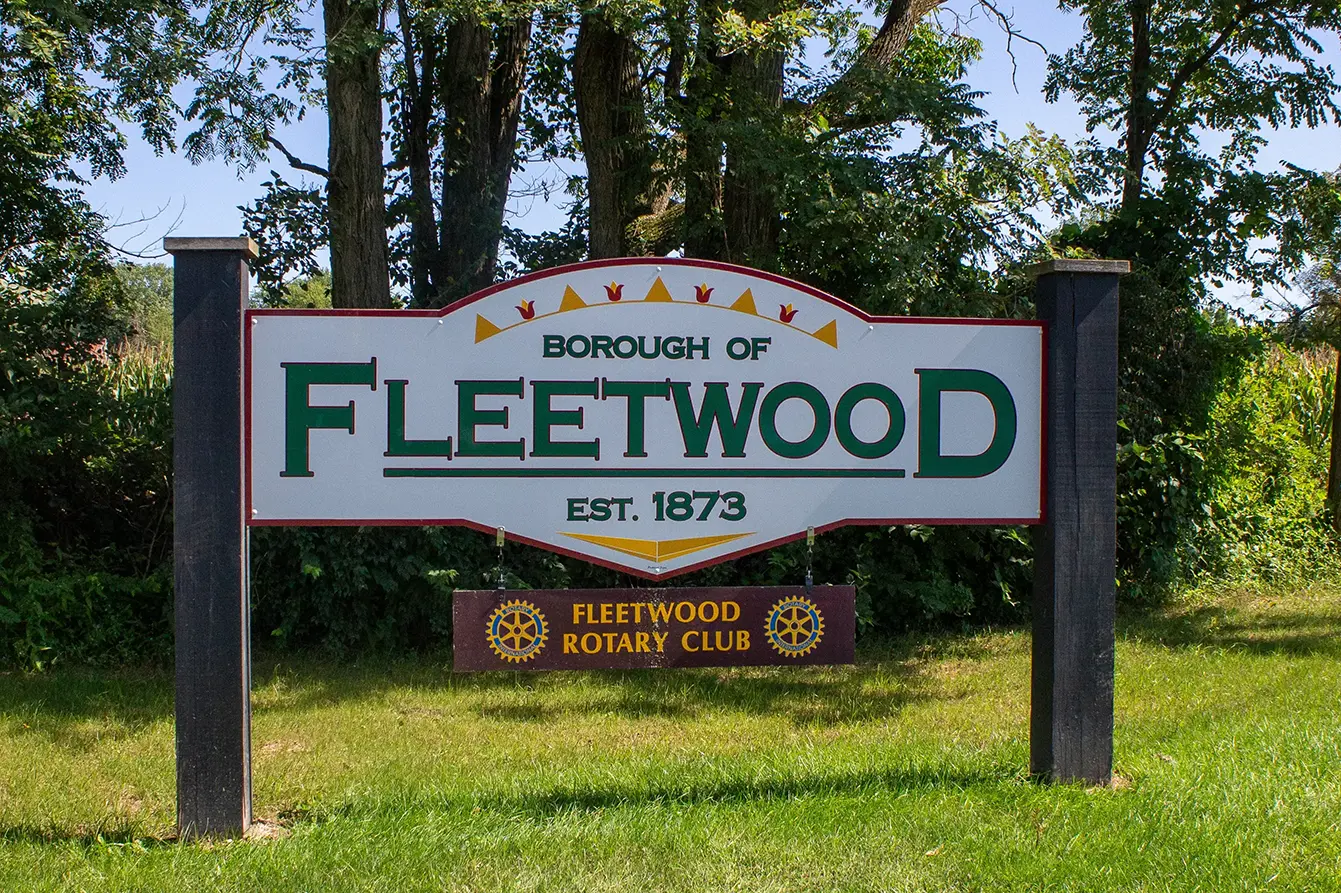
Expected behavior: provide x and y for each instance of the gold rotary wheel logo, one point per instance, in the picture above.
(517, 631)
(794, 627)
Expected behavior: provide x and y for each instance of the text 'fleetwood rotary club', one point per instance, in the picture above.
(647, 628)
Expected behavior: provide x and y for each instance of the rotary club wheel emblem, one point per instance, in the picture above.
(516, 631)
(794, 627)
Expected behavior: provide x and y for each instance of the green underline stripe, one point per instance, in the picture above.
(642, 473)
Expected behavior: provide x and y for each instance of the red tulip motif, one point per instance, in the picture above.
(614, 291)
(702, 293)
(526, 309)
(786, 313)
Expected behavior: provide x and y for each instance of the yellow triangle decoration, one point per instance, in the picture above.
(828, 333)
(657, 550)
(484, 329)
(571, 300)
(745, 303)
(658, 293)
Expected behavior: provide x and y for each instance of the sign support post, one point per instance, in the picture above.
(213, 657)
(1075, 549)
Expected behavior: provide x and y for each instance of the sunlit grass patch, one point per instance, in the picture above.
(906, 772)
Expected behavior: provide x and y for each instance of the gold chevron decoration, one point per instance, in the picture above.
(657, 294)
(484, 329)
(571, 300)
(745, 303)
(657, 550)
(828, 333)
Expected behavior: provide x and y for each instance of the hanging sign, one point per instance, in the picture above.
(651, 415)
(577, 629)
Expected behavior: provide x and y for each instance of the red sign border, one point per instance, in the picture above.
(253, 314)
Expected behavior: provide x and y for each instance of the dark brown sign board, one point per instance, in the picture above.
(596, 629)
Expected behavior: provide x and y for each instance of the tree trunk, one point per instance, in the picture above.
(901, 19)
(1334, 456)
(480, 92)
(700, 119)
(612, 122)
(421, 63)
(749, 191)
(1139, 107)
(355, 192)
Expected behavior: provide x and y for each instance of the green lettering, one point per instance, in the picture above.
(842, 420)
(768, 412)
(931, 462)
(546, 417)
(300, 417)
(469, 417)
(636, 392)
(396, 444)
(715, 411)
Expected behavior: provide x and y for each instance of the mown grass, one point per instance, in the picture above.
(906, 772)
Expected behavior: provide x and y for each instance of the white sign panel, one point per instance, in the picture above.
(650, 415)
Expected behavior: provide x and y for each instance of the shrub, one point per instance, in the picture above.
(85, 501)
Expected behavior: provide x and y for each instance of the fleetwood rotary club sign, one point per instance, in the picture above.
(653, 416)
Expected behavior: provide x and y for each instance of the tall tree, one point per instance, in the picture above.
(1164, 78)
(1161, 76)
(480, 82)
(455, 79)
(608, 93)
(355, 186)
(716, 71)
(70, 74)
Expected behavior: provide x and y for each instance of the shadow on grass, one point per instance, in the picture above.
(1289, 633)
(682, 789)
(692, 788)
(806, 696)
(111, 837)
(892, 780)
(78, 708)
(885, 681)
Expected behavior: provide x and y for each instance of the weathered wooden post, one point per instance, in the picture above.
(213, 673)
(1075, 550)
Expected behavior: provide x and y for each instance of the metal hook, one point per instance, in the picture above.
(810, 557)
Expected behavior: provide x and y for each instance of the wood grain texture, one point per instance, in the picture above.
(212, 612)
(1071, 719)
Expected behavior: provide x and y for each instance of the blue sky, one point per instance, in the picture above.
(203, 199)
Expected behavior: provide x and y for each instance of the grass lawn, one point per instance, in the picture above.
(906, 772)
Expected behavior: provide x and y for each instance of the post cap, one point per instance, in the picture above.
(1079, 265)
(241, 244)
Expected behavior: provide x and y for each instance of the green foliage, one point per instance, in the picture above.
(1161, 512)
(147, 304)
(85, 501)
(289, 226)
(1244, 500)
(1267, 455)
(312, 292)
(1161, 77)
(69, 72)
(925, 201)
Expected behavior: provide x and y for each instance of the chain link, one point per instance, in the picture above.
(810, 559)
